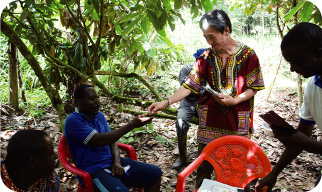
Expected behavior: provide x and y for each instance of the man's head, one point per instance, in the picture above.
(216, 28)
(87, 99)
(32, 151)
(216, 19)
(302, 48)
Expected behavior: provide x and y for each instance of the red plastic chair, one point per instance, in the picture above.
(64, 154)
(236, 161)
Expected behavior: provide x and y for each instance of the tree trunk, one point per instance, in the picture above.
(33, 62)
(299, 78)
(13, 77)
(23, 95)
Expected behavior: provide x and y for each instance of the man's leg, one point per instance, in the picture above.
(186, 111)
(182, 160)
(141, 175)
(204, 170)
(104, 181)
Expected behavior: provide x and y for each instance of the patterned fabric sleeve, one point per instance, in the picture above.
(197, 75)
(254, 77)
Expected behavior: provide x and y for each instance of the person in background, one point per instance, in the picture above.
(186, 110)
(30, 162)
(230, 68)
(302, 48)
(94, 147)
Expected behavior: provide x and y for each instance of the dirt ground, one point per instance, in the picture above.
(301, 175)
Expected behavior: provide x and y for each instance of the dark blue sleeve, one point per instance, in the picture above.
(77, 129)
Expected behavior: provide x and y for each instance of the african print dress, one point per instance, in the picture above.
(242, 71)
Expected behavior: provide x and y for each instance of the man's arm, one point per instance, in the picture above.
(291, 152)
(111, 137)
(117, 168)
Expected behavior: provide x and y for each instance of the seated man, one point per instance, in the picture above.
(30, 162)
(95, 150)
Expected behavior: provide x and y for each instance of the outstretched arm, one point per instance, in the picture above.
(181, 93)
(111, 137)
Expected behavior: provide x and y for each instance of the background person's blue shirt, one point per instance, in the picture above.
(78, 131)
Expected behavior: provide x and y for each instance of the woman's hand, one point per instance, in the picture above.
(225, 99)
(117, 169)
(158, 106)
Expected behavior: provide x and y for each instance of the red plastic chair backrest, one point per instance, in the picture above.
(237, 160)
(64, 154)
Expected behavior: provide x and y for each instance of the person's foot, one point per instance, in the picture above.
(181, 161)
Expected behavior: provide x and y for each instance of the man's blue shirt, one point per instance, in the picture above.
(78, 131)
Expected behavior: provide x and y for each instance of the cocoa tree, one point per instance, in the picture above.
(82, 39)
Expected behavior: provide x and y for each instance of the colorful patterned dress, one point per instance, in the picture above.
(47, 184)
(241, 72)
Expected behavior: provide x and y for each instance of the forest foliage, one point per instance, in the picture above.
(63, 43)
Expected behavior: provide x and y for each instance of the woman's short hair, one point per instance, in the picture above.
(23, 145)
(306, 35)
(216, 19)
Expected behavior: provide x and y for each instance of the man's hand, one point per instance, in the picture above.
(268, 181)
(158, 106)
(141, 120)
(225, 99)
(117, 169)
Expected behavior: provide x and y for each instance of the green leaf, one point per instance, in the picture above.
(163, 20)
(167, 41)
(207, 5)
(118, 29)
(138, 46)
(96, 5)
(160, 138)
(166, 4)
(23, 15)
(154, 20)
(132, 26)
(317, 17)
(177, 4)
(144, 25)
(171, 22)
(292, 12)
(151, 53)
(131, 140)
(162, 33)
(150, 126)
(95, 16)
(307, 11)
(129, 17)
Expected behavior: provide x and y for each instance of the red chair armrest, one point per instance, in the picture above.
(130, 152)
(181, 181)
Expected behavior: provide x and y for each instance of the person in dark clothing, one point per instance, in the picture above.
(185, 112)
